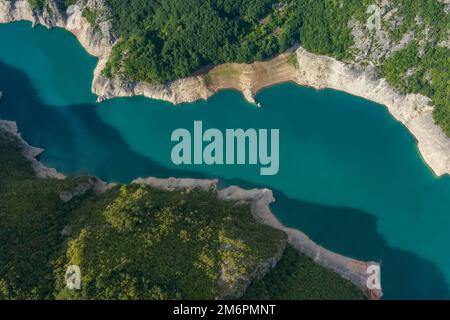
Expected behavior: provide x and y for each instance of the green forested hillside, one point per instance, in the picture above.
(162, 40)
(298, 277)
(136, 242)
(422, 67)
(165, 40)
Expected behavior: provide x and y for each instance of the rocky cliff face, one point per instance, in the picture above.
(97, 40)
(348, 268)
(179, 91)
(412, 110)
(20, 10)
(29, 152)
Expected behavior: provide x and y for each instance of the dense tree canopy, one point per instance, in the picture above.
(166, 40)
(298, 277)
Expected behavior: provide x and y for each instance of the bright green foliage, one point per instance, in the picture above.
(144, 243)
(165, 40)
(90, 15)
(298, 277)
(324, 25)
(432, 14)
(430, 76)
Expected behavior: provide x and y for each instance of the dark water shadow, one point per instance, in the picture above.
(344, 230)
(352, 232)
(39, 122)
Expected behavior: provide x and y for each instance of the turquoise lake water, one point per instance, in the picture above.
(350, 176)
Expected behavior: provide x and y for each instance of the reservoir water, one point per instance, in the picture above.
(350, 176)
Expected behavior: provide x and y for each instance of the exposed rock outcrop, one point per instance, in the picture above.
(96, 185)
(97, 40)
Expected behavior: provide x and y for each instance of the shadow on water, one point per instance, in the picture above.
(65, 128)
(344, 230)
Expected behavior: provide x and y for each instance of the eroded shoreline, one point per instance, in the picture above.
(414, 111)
